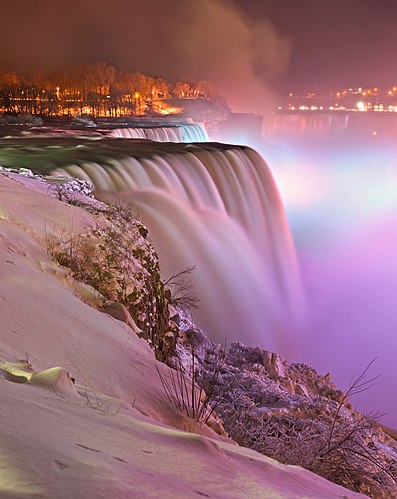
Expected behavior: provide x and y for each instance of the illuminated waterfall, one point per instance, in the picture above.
(159, 134)
(184, 132)
(192, 132)
(216, 208)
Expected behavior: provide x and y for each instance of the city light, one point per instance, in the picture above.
(353, 99)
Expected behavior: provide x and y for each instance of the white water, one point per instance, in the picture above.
(159, 134)
(218, 210)
(185, 132)
(192, 132)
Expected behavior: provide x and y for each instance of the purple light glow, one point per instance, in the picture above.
(341, 198)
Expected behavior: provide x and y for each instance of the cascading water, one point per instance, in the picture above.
(156, 131)
(192, 132)
(213, 207)
(219, 211)
(159, 134)
(184, 132)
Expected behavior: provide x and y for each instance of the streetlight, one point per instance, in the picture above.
(137, 102)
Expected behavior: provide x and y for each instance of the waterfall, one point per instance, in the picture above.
(184, 132)
(211, 206)
(192, 132)
(216, 208)
(158, 134)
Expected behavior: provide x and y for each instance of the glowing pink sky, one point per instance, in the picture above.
(284, 44)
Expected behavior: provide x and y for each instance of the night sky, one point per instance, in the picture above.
(246, 47)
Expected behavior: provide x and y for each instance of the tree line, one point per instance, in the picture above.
(97, 89)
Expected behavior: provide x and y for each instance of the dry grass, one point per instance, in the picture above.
(190, 392)
(182, 392)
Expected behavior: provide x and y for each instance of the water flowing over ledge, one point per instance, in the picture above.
(153, 130)
(185, 132)
(211, 206)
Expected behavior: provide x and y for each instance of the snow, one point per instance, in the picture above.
(108, 434)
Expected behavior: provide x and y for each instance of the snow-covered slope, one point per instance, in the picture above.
(105, 433)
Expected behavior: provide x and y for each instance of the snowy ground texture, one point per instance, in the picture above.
(82, 408)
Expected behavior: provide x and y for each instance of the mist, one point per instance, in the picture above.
(210, 39)
(340, 193)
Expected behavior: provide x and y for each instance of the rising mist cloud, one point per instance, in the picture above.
(238, 55)
(210, 39)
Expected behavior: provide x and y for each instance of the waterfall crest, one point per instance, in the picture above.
(216, 208)
(211, 206)
(158, 134)
(184, 132)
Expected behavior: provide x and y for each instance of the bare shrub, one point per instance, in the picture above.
(22, 119)
(65, 188)
(329, 438)
(182, 294)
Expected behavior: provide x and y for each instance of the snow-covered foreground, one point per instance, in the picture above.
(108, 435)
